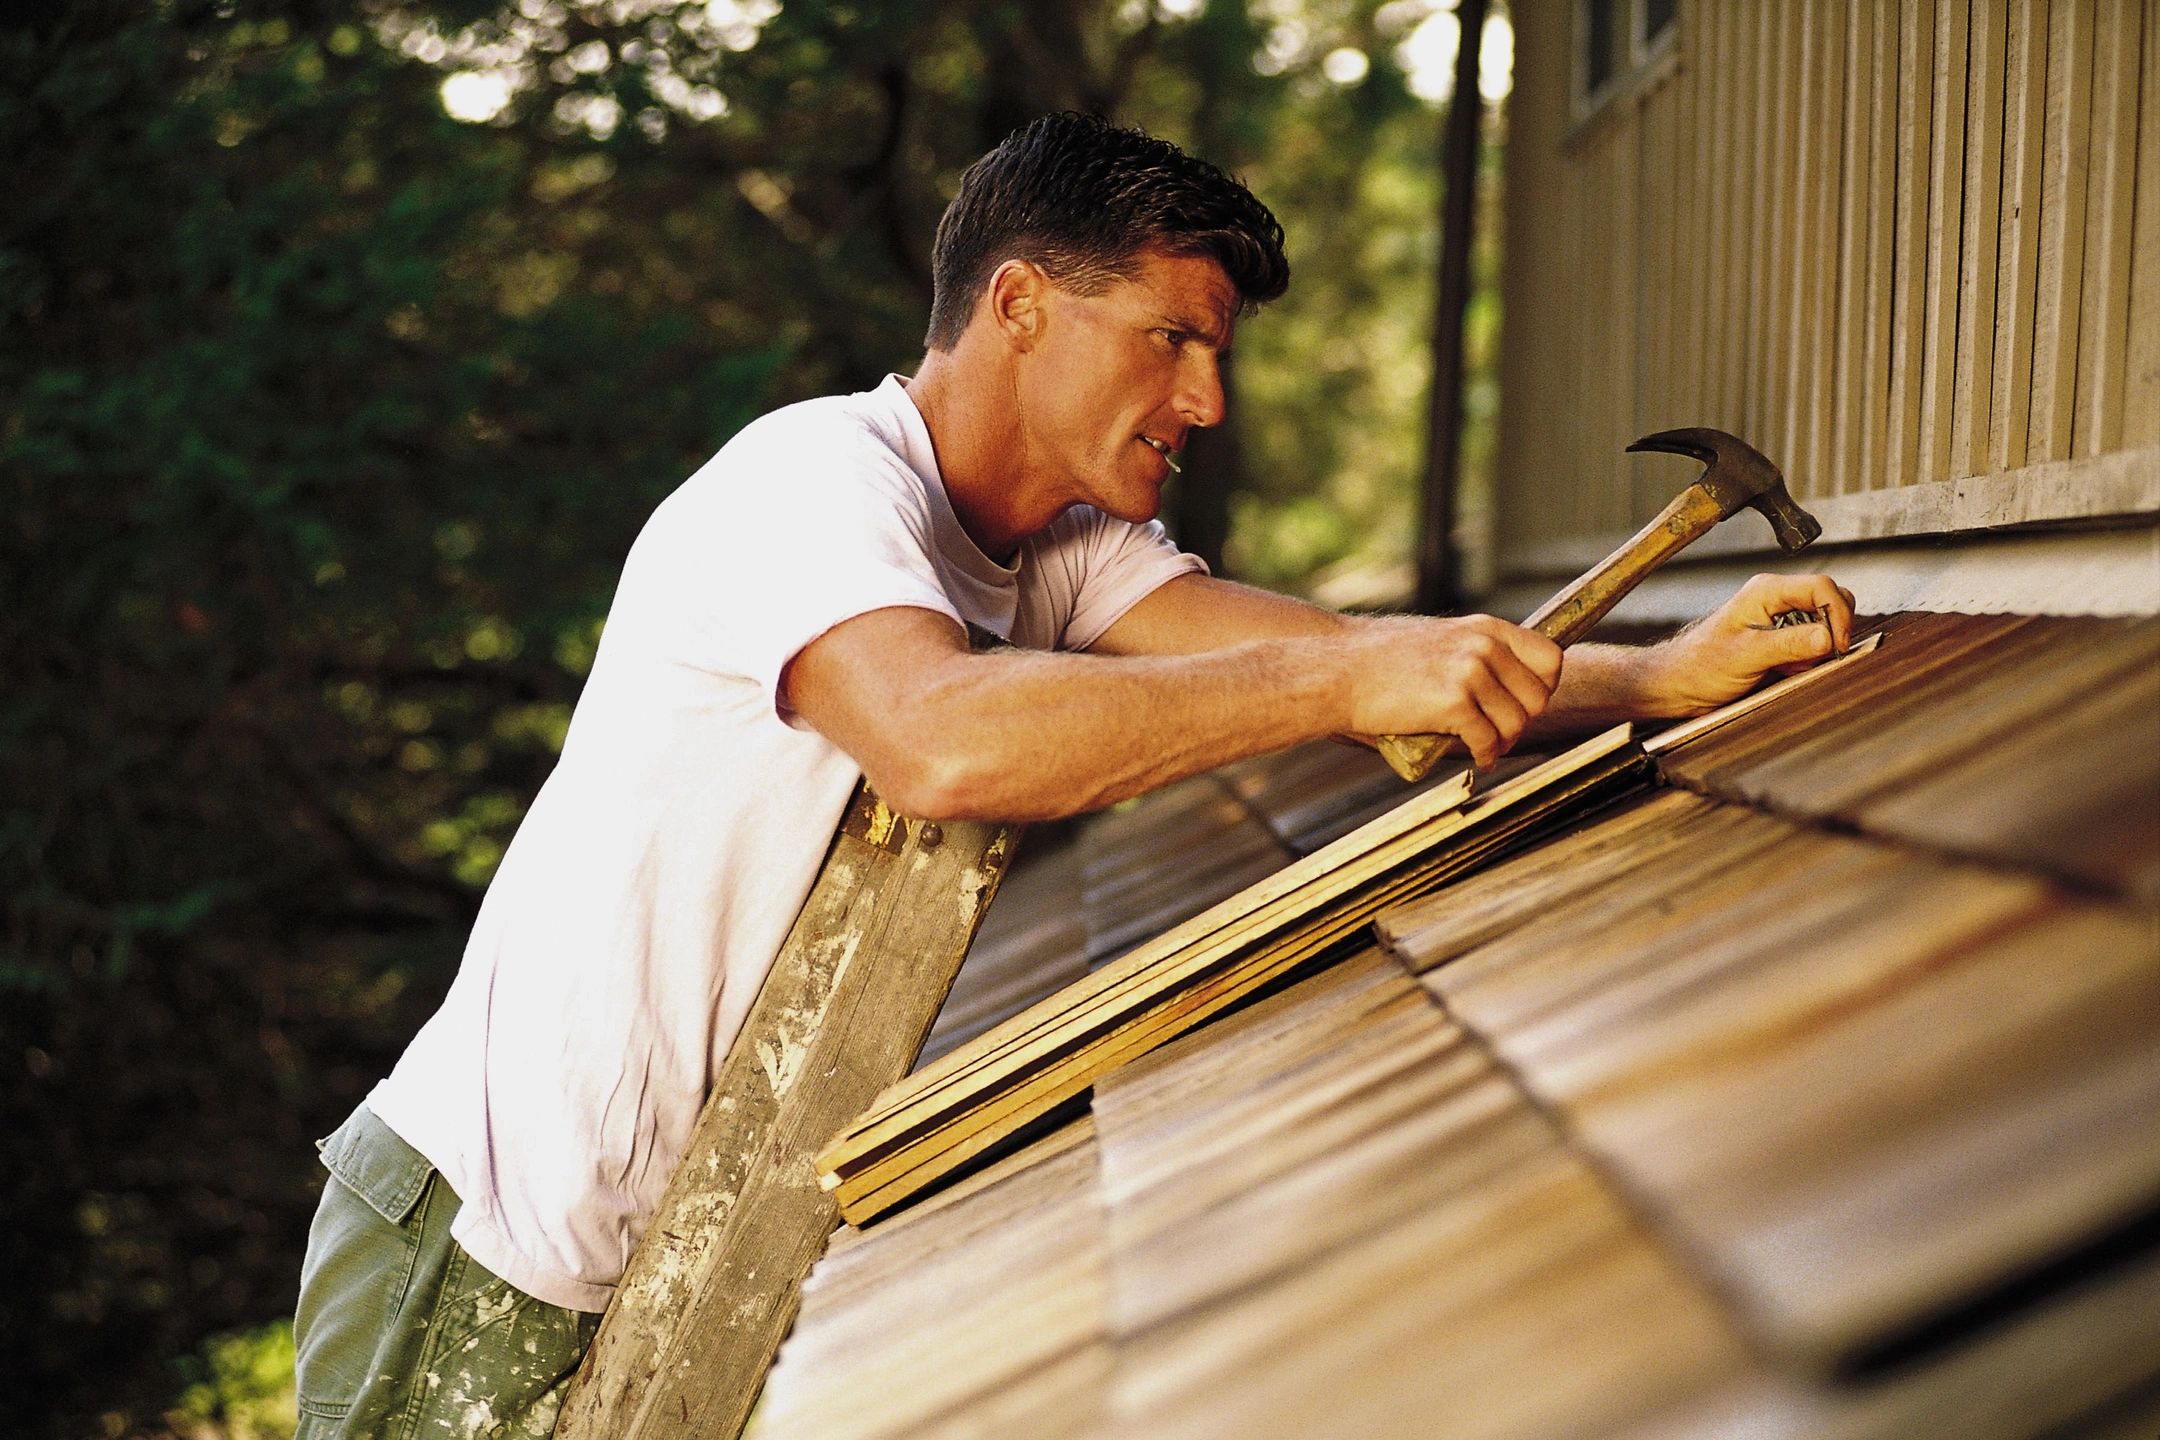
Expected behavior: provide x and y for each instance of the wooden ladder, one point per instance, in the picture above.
(714, 1285)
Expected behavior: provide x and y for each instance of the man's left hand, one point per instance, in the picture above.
(1729, 651)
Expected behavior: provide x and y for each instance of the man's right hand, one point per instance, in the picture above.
(1477, 678)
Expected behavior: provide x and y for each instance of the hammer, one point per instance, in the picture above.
(1736, 474)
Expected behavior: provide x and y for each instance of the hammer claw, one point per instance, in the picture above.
(1795, 528)
(1738, 474)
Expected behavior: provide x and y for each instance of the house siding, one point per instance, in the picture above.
(1910, 250)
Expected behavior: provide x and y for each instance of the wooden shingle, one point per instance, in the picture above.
(2012, 739)
(1809, 1097)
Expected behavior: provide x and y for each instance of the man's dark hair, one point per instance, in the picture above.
(1083, 198)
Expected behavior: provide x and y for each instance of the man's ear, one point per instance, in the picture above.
(1016, 299)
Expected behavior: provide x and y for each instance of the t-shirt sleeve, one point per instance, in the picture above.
(1095, 568)
(787, 543)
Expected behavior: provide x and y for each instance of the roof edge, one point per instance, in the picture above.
(2110, 572)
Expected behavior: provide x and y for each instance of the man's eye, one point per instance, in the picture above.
(1174, 337)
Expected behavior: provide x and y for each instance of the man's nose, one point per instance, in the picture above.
(1200, 389)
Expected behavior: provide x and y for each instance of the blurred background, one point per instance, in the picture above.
(344, 349)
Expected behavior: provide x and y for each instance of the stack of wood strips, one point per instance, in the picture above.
(1878, 1092)
(1234, 827)
(1066, 906)
(2009, 738)
(986, 1091)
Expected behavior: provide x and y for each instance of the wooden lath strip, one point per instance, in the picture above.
(1846, 343)
(1667, 234)
(1910, 292)
(1718, 220)
(2024, 121)
(1868, 459)
(1946, 209)
(2104, 298)
(1135, 968)
(2141, 378)
(1742, 276)
(1695, 180)
(1189, 954)
(2064, 169)
(1657, 240)
(1154, 963)
(1980, 246)
(1804, 229)
(981, 1093)
(1313, 880)
(1623, 337)
(1758, 168)
(1701, 725)
(1779, 102)
(870, 1191)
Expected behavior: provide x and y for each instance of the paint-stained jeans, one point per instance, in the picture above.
(402, 1335)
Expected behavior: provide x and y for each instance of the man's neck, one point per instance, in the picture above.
(978, 456)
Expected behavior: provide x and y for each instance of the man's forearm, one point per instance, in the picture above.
(1026, 735)
(1602, 685)
(1100, 729)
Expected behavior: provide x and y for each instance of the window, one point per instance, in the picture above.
(1615, 42)
(1657, 19)
(1600, 64)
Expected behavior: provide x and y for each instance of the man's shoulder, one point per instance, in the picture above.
(838, 439)
(862, 421)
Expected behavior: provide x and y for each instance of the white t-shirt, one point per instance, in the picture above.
(636, 912)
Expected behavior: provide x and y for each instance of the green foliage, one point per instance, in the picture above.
(1331, 382)
(318, 491)
(241, 1386)
(288, 426)
(326, 420)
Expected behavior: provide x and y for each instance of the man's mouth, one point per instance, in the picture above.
(1169, 456)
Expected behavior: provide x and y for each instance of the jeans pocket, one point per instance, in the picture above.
(363, 1248)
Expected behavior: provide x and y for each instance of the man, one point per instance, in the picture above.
(798, 613)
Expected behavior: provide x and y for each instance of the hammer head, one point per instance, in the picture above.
(1738, 474)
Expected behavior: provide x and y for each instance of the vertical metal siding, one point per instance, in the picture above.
(1891, 241)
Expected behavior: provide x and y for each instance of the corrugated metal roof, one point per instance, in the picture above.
(1816, 1103)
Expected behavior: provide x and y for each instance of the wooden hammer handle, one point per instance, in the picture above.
(1564, 618)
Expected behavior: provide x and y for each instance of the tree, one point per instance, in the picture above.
(326, 419)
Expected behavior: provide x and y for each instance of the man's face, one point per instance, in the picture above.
(1123, 377)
